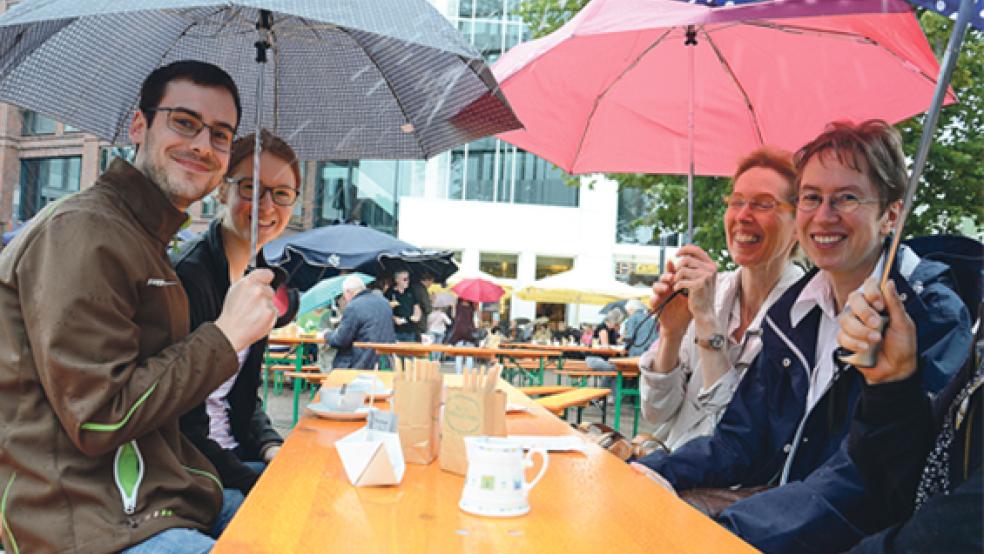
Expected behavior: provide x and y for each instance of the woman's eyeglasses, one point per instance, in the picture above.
(763, 203)
(281, 196)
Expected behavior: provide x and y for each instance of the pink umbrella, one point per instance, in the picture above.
(478, 290)
(661, 86)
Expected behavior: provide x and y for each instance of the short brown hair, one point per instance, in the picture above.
(872, 147)
(244, 147)
(778, 160)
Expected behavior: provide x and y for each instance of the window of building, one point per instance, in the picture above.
(109, 153)
(633, 206)
(44, 180)
(365, 191)
(552, 265)
(37, 124)
(498, 265)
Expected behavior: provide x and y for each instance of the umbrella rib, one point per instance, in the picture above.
(191, 24)
(396, 97)
(600, 97)
(841, 35)
(734, 78)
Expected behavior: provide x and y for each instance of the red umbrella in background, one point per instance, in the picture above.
(478, 290)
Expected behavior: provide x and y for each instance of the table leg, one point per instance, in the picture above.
(618, 401)
(297, 398)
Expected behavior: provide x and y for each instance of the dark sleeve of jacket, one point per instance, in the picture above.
(203, 305)
(734, 452)
(832, 508)
(945, 523)
(890, 436)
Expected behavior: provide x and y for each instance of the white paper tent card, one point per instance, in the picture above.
(372, 458)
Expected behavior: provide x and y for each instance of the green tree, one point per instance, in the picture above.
(950, 198)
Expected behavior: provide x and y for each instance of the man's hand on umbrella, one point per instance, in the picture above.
(248, 313)
(860, 330)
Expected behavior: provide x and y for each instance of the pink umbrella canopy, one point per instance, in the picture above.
(610, 91)
(478, 290)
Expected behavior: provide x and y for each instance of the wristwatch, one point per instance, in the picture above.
(714, 342)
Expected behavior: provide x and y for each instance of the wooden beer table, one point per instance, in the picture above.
(585, 503)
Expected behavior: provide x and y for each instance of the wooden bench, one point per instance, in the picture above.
(577, 398)
(540, 390)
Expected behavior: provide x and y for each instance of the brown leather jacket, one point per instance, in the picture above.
(96, 366)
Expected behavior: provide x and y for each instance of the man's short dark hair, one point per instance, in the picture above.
(199, 73)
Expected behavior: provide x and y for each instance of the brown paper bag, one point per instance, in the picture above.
(469, 413)
(417, 405)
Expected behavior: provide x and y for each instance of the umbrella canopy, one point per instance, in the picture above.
(478, 290)
(766, 73)
(347, 79)
(580, 286)
(326, 291)
(444, 299)
(322, 252)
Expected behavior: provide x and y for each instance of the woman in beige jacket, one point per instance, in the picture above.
(708, 338)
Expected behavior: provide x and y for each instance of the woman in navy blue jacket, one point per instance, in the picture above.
(792, 410)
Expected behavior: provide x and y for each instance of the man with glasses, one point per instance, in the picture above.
(96, 359)
(791, 412)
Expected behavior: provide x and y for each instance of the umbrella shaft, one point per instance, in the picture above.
(929, 126)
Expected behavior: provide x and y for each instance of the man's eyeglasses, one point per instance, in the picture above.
(281, 196)
(763, 203)
(843, 203)
(188, 124)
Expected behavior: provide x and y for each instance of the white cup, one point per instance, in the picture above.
(495, 484)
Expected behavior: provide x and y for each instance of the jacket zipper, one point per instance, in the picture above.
(787, 466)
(3, 514)
(128, 472)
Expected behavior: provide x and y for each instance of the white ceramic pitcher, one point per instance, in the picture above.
(495, 484)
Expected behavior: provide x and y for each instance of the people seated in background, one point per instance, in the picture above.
(639, 331)
(406, 310)
(607, 333)
(587, 334)
(230, 426)
(541, 331)
(708, 338)
(792, 410)
(367, 318)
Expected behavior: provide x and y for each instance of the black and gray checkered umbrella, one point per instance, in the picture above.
(345, 79)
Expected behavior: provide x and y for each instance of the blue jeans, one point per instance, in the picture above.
(191, 541)
(470, 362)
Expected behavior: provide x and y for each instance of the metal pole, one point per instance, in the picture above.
(691, 53)
(262, 45)
(869, 357)
(950, 56)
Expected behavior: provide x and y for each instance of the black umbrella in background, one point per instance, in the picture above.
(324, 252)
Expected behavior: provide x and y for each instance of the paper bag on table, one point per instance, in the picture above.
(469, 413)
(417, 403)
(371, 458)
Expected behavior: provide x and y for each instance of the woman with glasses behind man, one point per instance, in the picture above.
(230, 428)
(708, 338)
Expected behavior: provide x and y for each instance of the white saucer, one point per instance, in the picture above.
(493, 512)
(355, 415)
